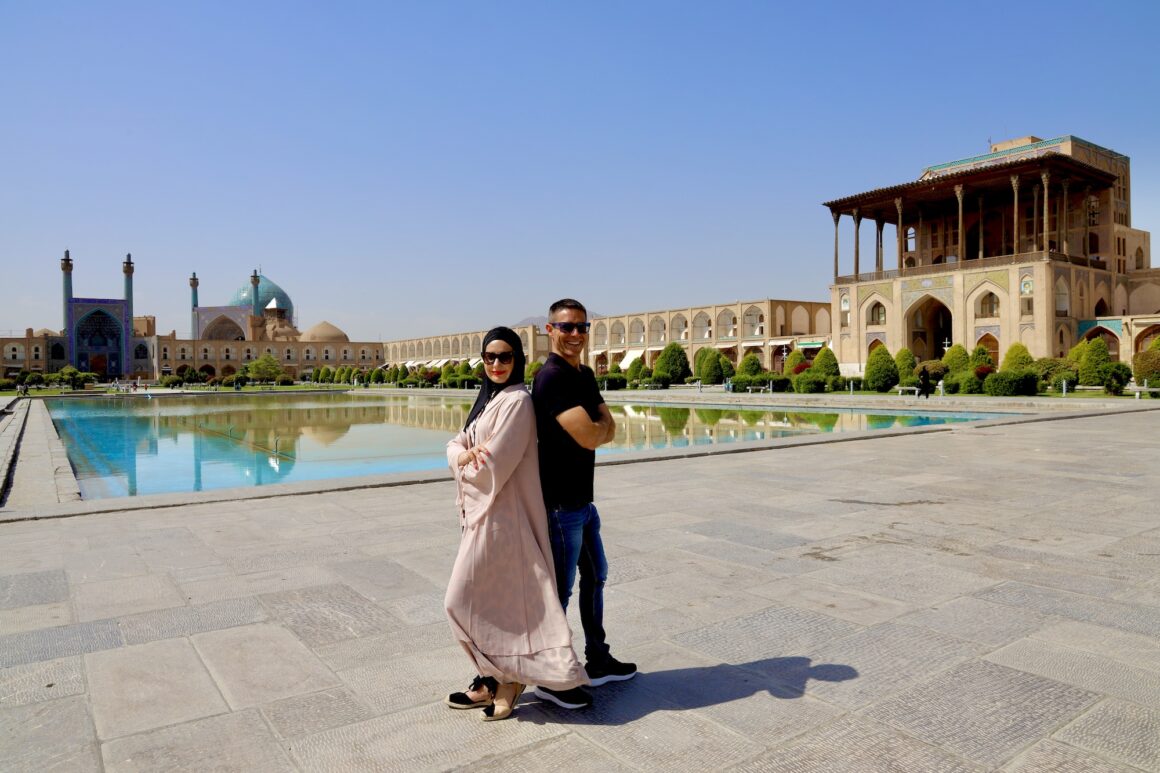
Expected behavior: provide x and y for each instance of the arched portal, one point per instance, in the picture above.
(1101, 309)
(98, 345)
(223, 329)
(928, 329)
(1146, 337)
(991, 344)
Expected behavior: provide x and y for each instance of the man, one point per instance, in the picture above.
(572, 421)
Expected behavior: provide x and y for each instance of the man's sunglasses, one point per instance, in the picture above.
(568, 328)
(505, 358)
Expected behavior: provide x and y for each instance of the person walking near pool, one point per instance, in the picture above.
(924, 383)
(573, 421)
(501, 600)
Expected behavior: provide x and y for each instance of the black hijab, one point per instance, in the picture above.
(489, 388)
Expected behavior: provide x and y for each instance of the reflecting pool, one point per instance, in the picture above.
(132, 445)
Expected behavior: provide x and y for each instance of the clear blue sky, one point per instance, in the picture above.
(413, 168)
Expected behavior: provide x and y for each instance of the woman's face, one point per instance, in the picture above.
(497, 361)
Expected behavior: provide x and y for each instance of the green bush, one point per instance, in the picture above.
(936, 369)
(531, 370)
(1116, 377)
(980, 356)
(1076, 353)
(1146, 367)
(964, 382)
(1007, 383)
(826, 364)
(288, 381)
(792, 361)
(908, 381)
(673, 363)
(881, 372)
(778, 382)
(750, 365)
(634, 369)
(905, 362)
(1155, 345)
(836, 383)
(956, 359)
(727, 369)
(228, 381)
(614, 381)
(1017, 358)
(614, 367)
(811, 383)
(742, 381)
(7, 384)
(711, 373)
(1091, 364)
(1064, 377)
(171, 382)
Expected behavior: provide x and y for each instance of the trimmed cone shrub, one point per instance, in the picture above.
(750, 365)
(881, 372)
(1017, 358)
(1091, 365)
(1076, 352)
(1116, 377)
(792, 360)
(980, 356)
(673, 364)
(826, 364)
(905, 362)
(711, 372)
(727, 369)
(956, 359)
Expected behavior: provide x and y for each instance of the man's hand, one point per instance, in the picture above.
(586, 432)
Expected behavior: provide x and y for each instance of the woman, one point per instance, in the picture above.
(501, 599)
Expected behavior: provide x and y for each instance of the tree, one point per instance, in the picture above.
(701, 360)
(464, 368)
(634, 368)
(265, 369)
(614, 367)
(956, 359)
(531, 370)
(70, 376)
(826, 364)
(881, 372)
(1077, 351)
(750, 365)
(673, 364)
(905, 362)
(727, 369)
(1091, 365)
(1017, 358)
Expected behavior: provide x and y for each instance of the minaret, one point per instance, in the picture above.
(127, 269)
(193, 306)
(256, 305)
(127, 330)
(66, 267)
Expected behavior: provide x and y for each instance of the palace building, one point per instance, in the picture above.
(1032, 243)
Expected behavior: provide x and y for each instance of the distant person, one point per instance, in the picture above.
(924, 388)
(573, 421)
(501, 600)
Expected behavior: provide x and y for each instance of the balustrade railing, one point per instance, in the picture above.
(993, 261)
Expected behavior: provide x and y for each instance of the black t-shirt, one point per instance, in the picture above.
(567, 468)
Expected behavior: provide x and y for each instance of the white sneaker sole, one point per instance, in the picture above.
(610, 678)
(543, 695)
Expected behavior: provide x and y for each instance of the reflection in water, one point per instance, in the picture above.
(124, 446)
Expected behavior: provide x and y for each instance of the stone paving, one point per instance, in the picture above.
(985, 597)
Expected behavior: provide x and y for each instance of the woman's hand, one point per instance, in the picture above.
(476, 456)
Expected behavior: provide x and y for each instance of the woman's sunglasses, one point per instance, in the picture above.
(505, 358)
(567, 328)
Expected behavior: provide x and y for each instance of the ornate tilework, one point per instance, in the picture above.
(998, 277)
(982, 330)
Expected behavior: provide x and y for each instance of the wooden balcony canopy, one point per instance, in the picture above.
(993, 182)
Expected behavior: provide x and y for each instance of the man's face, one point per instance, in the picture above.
(571, 345)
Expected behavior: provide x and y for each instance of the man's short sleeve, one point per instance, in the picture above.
(554, 392)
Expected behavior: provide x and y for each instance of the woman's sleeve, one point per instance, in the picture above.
(514, 429)
(456, 446)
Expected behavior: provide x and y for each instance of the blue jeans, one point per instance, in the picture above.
(575, 536)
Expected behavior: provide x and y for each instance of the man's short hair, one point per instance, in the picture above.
(567, 303)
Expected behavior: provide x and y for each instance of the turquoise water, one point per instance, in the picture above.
(131, 445)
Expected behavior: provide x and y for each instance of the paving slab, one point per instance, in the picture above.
(910, 614)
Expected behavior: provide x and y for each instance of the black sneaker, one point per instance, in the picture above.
(576, 698)
(610, 670)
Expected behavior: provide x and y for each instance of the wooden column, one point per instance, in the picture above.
(1087, 218)
(959, 246)
(1035, 218)
(878, 223)
(836, 215)
(857, 245)
(1015, 190)
(980, 227)
(1066, 226)
(1046, 176)
(901, 232)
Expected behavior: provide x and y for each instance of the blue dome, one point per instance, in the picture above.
(267, 291)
